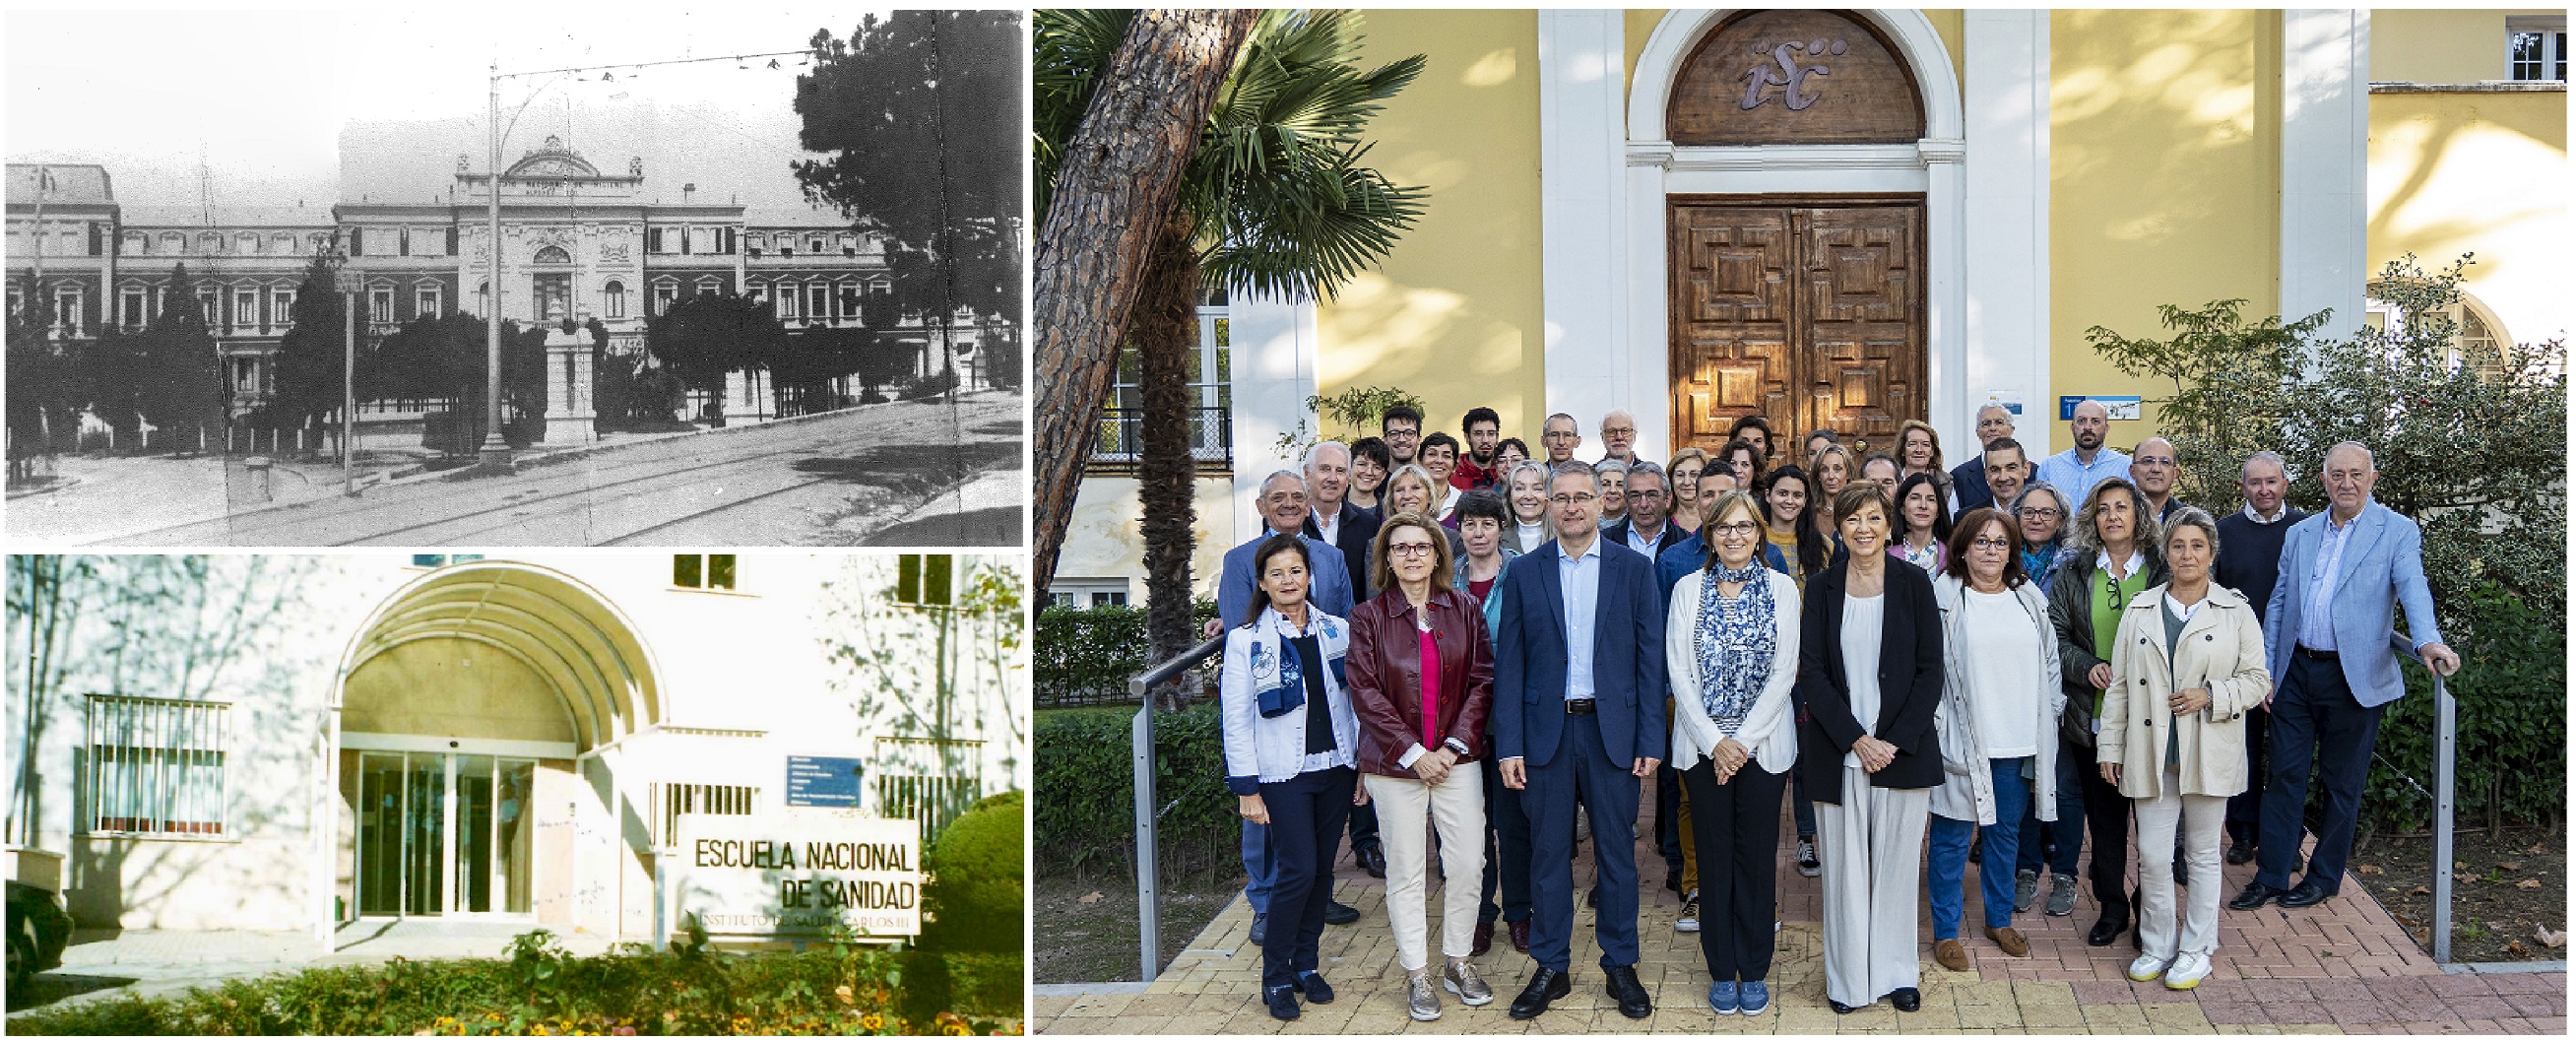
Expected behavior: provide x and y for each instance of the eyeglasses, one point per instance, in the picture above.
(1392, 434)
(2119, 596)
(1409, 548)
(2041, 512)
(1990, 543)
(1738, 529)
(1567, 500)
(2153, 460)
(1618, 431)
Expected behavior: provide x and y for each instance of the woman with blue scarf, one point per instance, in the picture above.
(1291, 740)
(1731, 649)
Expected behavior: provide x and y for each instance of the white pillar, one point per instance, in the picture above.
(1594, 363)
(2325, 135)
(1274, 373)
(2007, 224)
(1945, 311)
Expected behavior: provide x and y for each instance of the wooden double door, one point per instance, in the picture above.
(1805, 310)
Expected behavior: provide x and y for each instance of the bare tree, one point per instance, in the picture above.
(1119, 179)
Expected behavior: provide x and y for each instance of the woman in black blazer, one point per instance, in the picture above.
(1869, 680)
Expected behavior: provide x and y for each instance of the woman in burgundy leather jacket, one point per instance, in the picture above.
(1421, 676)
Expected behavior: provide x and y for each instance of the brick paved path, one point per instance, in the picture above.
(2343, 967)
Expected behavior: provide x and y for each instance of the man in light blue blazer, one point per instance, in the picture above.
(1283, 511)
(2330, 640)
(1579, 699)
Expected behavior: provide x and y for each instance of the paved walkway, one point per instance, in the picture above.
(2342, 967)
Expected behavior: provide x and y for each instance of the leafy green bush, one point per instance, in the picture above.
(980, 896)
(542, 990)
(1086, 814)
(1086, 656)
(2512, 693)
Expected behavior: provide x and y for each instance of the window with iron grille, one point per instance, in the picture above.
(935, 801)
(1116, 446)
(157, 766)
(672, 801)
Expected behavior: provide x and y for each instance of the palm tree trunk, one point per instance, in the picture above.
(1119, 180)
(1165, 331)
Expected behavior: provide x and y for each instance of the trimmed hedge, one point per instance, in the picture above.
(980, 899)
(541, 990)
(1086, 790)
(1086, 656)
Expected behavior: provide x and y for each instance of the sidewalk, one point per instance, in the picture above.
(2342, 967)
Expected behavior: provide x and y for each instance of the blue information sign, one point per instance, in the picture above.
(815, 780)
(2118, 407)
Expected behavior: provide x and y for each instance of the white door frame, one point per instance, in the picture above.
(1613, 205)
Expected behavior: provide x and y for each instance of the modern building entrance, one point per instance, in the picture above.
(1805, 310)
(444, 835)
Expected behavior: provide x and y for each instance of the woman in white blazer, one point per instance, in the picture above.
(2186, 667)
(1731, 650)
(2000, 699)
(1291, 741)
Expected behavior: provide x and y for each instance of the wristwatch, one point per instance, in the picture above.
(1456, 745)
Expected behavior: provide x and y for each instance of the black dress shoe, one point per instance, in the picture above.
(1336, 913)
(1545, 984)
(2253, 896)
(1839, 1007)
(1282, 1001)
(1260, 929)
(1630, 993)
(2240, 853)
(1316, 989)
(2308, 893)
(1520, 930)
(2107, 930)
(1907, 999)
(1372, 859)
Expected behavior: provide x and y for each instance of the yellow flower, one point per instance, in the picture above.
(872, 1023)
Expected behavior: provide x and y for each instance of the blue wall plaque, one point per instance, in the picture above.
(815, 780)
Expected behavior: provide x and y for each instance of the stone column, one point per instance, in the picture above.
(570, 419)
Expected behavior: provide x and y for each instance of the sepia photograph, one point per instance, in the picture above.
(527, 794)
(344, 277)
(1799, 520)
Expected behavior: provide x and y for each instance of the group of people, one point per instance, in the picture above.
(1467, 649)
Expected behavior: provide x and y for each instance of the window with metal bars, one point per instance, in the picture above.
(935, 801)
(157, 767)
(672, 801)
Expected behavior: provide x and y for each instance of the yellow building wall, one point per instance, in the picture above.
(2440, 46)
(1105, 540)
(2481, 173)
(2163, 182)
(1454, 314)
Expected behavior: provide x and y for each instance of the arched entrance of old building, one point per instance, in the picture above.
(476, 716)
(1806, 191)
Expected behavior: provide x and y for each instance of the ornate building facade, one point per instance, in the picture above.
(577, 242)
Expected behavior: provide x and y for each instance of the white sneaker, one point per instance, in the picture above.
(1689, 920)
(2187, 971)
(2147, 967)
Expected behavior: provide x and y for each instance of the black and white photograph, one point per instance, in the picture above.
(719, 276)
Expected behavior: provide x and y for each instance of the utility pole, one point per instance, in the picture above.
(348, 282)
(495, 454)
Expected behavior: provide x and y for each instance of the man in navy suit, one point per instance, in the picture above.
(1579, 701)
(2329, 635)
(1644, 529)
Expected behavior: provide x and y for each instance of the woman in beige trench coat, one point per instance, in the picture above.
(2186, 667)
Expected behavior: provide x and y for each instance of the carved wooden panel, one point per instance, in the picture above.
(1794, 77)
(1806, 314)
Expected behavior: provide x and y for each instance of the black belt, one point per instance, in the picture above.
(2317, 655)
(1579, 707)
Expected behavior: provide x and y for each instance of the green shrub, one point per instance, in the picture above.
(543, 990)
(2512, 691)
(980, 896)
(1086, 789)
(1086, 656)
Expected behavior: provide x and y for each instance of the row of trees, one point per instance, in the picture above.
(165, 375)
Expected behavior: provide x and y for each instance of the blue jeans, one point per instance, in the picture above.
(1945, 869)
(2058, 842)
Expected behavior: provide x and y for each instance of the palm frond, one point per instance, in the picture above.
(1070, 52)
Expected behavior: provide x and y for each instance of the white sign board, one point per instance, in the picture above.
(798, 872)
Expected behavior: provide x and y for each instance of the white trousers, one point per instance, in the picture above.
(1407, 810)
(1872, 845)
(2202, 819)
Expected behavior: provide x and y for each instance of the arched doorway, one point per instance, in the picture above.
(1801, 178)
(471, 716)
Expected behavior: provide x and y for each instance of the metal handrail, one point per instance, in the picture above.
(2446, 745)
(1149, 923)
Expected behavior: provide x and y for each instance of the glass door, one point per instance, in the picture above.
(442, 834)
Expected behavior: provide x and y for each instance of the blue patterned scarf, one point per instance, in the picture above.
(1736, 640)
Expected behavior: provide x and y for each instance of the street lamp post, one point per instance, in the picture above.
(347, 282)
(496, 449)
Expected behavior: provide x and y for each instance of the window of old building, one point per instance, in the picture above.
(2536, 48)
